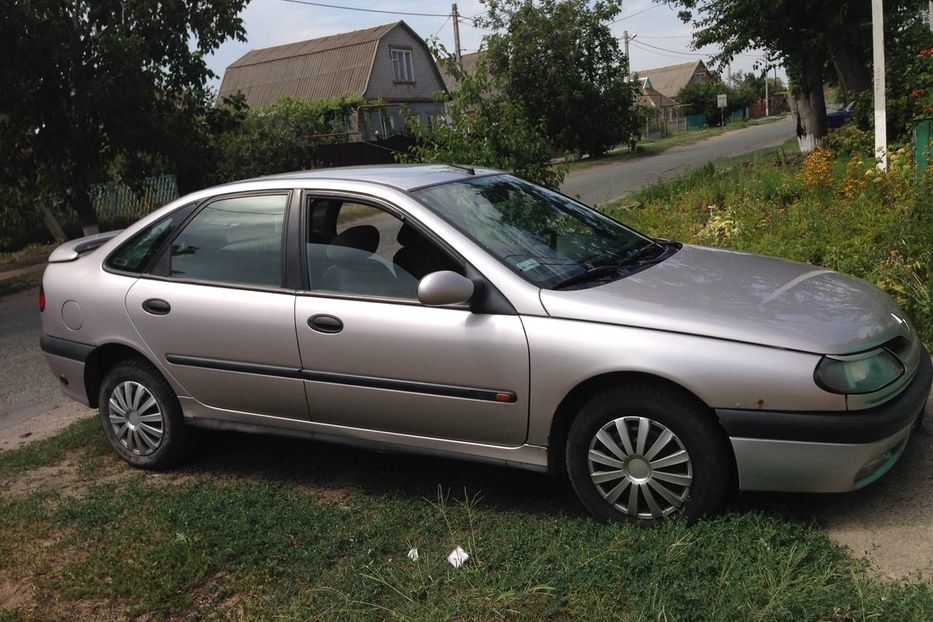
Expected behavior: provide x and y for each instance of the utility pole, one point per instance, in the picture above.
(930, 15)
(881, 129)
(625, 40)
(767, 99)
(456, 17)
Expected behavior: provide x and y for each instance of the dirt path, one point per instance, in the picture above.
(32, 427)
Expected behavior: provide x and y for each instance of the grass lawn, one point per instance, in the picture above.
(29, 256)
(657, 146)
(33, 255)
(266, 528)
(20, 282)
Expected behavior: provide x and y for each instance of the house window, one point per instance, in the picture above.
(701, 76)
(401, 65)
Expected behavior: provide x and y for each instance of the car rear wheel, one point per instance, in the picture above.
(141, 416)
(647, 453)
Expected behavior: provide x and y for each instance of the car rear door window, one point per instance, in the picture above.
(236, 240)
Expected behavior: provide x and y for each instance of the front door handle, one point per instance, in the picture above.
(324, 323)
(157, 306)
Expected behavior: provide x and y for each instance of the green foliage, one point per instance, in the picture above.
(91, 82)
(851, 140)
(485, 127)
(277, 138)
(560, 62)
(701, 98)
(839, 214)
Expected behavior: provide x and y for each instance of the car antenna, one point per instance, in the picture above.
(469, 169)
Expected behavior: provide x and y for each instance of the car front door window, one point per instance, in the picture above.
(363, 250)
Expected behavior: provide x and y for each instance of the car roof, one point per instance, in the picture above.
(401, 176)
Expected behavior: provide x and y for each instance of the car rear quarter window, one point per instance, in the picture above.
(236, 240)
(135, 255)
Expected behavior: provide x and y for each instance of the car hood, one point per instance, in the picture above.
(742, 297)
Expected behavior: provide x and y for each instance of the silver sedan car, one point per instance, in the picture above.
(467, 313)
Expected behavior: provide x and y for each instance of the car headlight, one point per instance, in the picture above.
(858, 373)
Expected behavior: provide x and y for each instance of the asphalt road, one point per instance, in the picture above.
(27, 387)
(608, 182)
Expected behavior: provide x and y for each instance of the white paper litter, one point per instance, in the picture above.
(458, 557)
(413, 554)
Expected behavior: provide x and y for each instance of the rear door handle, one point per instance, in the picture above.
(157, 306)
(324, 323)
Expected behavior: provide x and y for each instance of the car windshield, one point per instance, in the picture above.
(545, 237)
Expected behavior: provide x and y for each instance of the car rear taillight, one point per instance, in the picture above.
(41, 299)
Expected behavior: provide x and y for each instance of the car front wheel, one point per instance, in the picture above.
(141, 416)
(645, 453)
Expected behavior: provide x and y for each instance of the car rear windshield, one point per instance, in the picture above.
(543, 236)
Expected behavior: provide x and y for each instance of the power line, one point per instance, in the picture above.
(442, 26)
(356, 8)
(699, 54)
(673, 51)
(622, 19)
(644, 49)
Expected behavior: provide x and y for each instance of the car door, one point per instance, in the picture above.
(215, 311)
(374, 357)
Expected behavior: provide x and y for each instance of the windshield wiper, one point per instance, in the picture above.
(641, 252)
(591, 273)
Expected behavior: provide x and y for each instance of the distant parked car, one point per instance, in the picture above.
(467, 313)
(836, 118)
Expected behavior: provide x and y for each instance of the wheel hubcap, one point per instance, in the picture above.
(136, 418)
(640, 467)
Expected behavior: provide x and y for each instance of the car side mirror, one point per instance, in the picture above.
(443, 288)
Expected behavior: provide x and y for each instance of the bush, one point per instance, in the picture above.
(280, 137)
(851, 140)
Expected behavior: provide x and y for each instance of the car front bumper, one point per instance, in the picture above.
(825, 451)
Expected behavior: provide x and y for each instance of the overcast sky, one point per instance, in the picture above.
(272, 22)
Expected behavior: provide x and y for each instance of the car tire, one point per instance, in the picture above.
(141, 416)
(673, 450)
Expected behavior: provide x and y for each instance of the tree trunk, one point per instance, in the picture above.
(52, 223)
(851, 70)
(852, 73)
(81, 201)
(808, 103)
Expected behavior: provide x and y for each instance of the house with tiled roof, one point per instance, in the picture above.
(390, 63)
(670, 80)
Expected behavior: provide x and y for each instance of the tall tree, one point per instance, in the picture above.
(486, 128)
(88, 83)
(560, 62)
(818, 41)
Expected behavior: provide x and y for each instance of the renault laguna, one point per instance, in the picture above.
(467, 313)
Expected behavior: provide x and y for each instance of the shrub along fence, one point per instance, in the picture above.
(118, 205)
